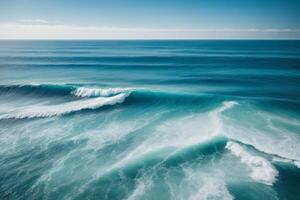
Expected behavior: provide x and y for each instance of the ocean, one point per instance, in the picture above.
(159, 120)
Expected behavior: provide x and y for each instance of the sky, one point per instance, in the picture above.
(149, 19)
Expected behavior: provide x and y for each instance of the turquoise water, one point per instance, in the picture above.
(150, 120)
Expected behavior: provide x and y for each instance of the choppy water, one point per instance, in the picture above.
(150, 120)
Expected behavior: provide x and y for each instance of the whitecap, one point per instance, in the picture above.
(96, 92)
(262, 170)
(266, 132)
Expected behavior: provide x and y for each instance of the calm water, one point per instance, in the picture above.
(150, 120)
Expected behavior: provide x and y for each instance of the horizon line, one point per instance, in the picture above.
(147, 39)
(44, 30)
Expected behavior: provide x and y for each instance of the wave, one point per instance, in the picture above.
(138, 95)
(177, 140)
(78, 90)
(272, 134)
(65, 108)
(61, 89)
(75, 98)
(262, 170)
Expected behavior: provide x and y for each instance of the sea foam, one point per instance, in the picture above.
(262, 170)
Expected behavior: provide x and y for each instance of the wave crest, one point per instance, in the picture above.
(95, 92)
(262, 170)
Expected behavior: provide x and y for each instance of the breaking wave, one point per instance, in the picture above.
(61, 89)
(96, 92)
(72, 98)
(65, 108)
(173, 137)
(261, 169)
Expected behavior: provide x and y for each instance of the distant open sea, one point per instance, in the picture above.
(155, 120)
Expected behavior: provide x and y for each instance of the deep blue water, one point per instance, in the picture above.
(150, 120)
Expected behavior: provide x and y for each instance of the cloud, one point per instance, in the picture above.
(34, 21)
(42, 29)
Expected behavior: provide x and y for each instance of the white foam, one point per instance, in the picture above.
(139, 190)
(226, 105)
(96, 92)
(193, 129)
(65, 108)
(211, 189)
(198, 183)
(261, 168)
(266, 132)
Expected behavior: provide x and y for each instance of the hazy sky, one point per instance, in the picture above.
(151, 19)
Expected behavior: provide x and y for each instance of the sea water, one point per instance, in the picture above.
(150, 120)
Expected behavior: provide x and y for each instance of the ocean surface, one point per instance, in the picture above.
(159, 120)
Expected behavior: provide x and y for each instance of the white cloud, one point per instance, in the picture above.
(42, 29)
(34, 21)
